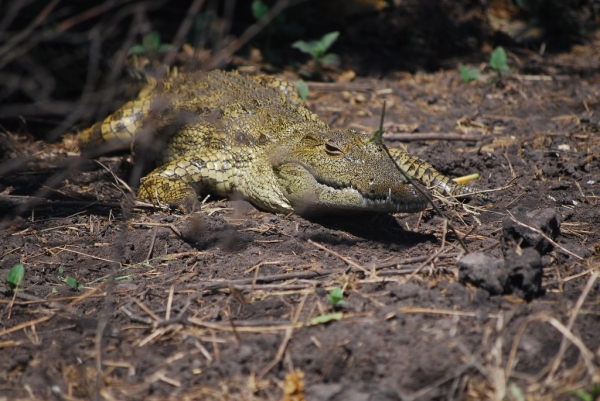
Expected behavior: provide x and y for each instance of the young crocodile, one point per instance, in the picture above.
(251, 137)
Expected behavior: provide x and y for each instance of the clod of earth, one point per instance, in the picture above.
(251, 137)
(483, 271)
(546, 220)
(519, 274)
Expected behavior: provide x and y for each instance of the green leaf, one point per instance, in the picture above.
(469, 74)
(136, 50)
(306, 47)
(15, 276)
(583, 395)
(146, 264)
(588, 395)
(73, 283)
(127, 277)
(377, 137)
(330, 59)
(259, 9)
(330, 317)
(164, 48)
(54, 290)
(336, 297)
(499, 60)
(302, 88)
(328, 39)
(61, 271)
(151, 41)
(516, 391)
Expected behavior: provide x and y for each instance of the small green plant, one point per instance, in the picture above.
(336, 297)
(377, 137)
(499, 61)
(73, 283)
(150, 46)
(329, 317)
(259, 9)
(591, 395)
(469, 74)
(317, 49)
(14, 278)
(302, 88)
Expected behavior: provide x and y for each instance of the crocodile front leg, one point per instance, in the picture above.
(179, 182)
(427, 175)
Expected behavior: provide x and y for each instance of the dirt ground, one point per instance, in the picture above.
(221, 304)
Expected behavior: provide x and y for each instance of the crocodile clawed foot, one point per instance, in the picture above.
(168, 191)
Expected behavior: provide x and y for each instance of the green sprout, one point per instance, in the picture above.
(302, 89)
(588, 395)
(499, 61)
(317, 49)
(469, 74)
(259, 9)
(14, 278)
(377, 137)
(150, 46)
(336, 297)
(73, 283)
(322, 319)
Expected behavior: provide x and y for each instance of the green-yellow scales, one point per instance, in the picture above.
(251, 137)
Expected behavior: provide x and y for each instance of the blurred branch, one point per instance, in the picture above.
(249, 33)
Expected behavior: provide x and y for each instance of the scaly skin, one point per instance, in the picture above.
(251, 137)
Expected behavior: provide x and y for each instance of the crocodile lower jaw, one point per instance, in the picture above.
(350, 199)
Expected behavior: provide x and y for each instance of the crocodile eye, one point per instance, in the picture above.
(332, 149)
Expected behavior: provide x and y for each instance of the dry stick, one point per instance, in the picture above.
(183, 30)
(432, 257)
(414, 184)
(407, 261)
(512, 356)
(538, 231)
(427, 136)
(574, 312)
(286, 339)
(582, 194)
(295, 315)
(14, 41)
(117, 179)
(169, 303)
(307, 274)
(149, 311)
(24, 325)
(249, 33)
(419, 394)
(152, 244)
(586, 354)
(337, 255)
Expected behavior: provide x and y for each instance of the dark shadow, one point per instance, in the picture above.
(380, 227)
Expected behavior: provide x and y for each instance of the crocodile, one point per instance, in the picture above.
(251, 137)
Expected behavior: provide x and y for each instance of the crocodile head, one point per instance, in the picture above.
(334, 170)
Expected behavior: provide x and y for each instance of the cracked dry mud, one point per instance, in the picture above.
(241, 282)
